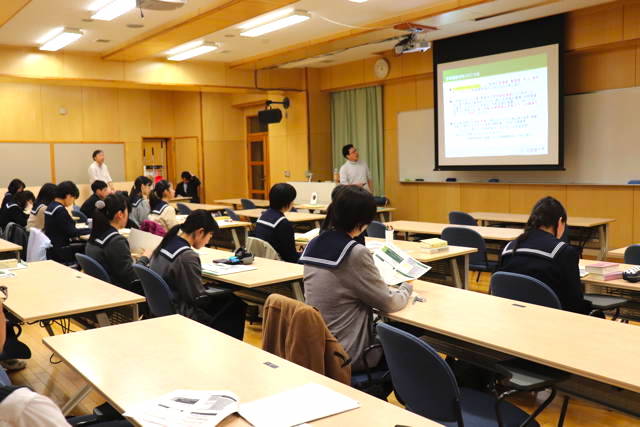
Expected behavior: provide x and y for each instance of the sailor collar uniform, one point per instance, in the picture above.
(105, 237)
(328, 250)
(159, 207)
(174, 247)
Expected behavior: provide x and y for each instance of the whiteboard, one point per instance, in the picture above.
(31, 162)
(73, 160)
(602, 144)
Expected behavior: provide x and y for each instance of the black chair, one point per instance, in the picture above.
(81, 216)
(92, 267)
(17, 234)
(632, 255)
(428, 386)
(460, 236)
(634, 182)
(247, 204)
(376, 229)
(183, 209)
(461, 218)
(231, 214)
(158, 294)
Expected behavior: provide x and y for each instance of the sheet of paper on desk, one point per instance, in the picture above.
(218, 269)
(308, 236)
(6, 274)
(183, 408)
(294, 407)
(396, 266)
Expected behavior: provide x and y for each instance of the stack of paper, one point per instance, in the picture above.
(308, 236)
(219, 269)
(604, 271)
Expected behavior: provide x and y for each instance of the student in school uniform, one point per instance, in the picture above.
(274, 227)
(342, 281)
(178, 263)
(189, 187)
(15, 186)
(539, 253)
(100, 191)
(111, 249)
(161, 211)
(139, 196)
(16, 210)
(59, 226)
(45, 196)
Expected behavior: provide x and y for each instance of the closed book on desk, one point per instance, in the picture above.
(602, 268)
(610, 275)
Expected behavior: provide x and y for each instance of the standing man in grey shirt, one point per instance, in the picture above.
(355, 172)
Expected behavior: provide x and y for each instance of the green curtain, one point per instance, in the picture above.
(356, 118)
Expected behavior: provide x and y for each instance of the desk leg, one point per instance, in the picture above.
(236, 240)
(317, 224)
(18, 256)
(134, 312)
(103, 319)
(297, 291)
(603, 236)
(460, 278)
(75, 400)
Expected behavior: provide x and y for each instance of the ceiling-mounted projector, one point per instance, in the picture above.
(160, 4)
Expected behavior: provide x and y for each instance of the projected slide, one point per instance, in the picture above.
(499, 110)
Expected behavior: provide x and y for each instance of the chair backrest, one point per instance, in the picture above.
(423, 379)
(461, 218)
(158, 294)
(17, 234)
(376, 229)
(632, 255)
(183, 209)
(231, 214)
(634, 181)
(261, 248)
(247, 204)
(37, 246)
(523, 288)
(461, 236)
(92, 267)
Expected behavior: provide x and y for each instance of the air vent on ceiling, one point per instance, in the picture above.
(160, 4)
(135, 26)
(103, 41)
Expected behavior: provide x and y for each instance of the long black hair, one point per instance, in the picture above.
(156, 195)
(136, 190)
(46, 195)
(546, 213)
(196, 220)
(334, 195)
(15, 186)
(104, 213)
(23, 197)
(353, 207)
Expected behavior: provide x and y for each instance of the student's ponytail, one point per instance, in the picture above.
(104, 213)
(136, 190)
(327, 223)
(546, 213)
(198, 219)
(156, 195)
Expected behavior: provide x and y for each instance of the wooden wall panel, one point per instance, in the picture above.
(484, 197)
(162, 119)
(186, 113)
(134, 111)
(320, 146)
(523, 197)
(226, 174)
(435, 201)
(21, 117)
(608, 202)
(631, 20)
(636, 215)
(398, 97)
(57, 126)
(600, 70)
(100, 117)
(594, 26)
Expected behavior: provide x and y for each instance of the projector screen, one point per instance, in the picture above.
(500, 111)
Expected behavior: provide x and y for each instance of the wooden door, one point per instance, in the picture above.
(154, 157)
(258, 165)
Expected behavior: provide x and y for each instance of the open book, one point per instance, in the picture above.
(308, 236)
(397, 266)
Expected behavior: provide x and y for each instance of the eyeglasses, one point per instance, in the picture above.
(4, 292)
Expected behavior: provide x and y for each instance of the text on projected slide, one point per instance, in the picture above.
(497, 109)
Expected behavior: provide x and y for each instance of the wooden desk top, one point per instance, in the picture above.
(617, 253)
(6, 246)
(574, 343)
(488, 233)
(291, 216)
(323, 208)
(618, 284)
(206, 207)
(415, 250)
(109, 359)
(46, 289)
(267, 272)
(574, 221)
(223, 225)
(237, 202)
(180, 199)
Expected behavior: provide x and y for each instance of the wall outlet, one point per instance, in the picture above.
(287, 174)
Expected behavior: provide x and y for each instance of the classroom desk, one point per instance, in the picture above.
(323, 208)
(617, 253)
(267, 272)
(600, 351)
(598, 225)
(206, 207)
(48, 290)
(457, 257)
(180, 199)
(6, 246)
(237, 203)
(109, 360)
(435, 229)
(294, 217)
(234, 226)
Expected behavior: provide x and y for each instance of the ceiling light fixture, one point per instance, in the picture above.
(358, 1)
(295, 17)
(113, 9)
(193, 50)
(266, 18)
(59, 38)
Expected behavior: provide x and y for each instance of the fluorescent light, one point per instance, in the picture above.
(296, 17)
(98, 4)
(184, 47)
(61, 39)
(51, 34)
(267, 17)
(114, 9)
(357, 1)
(205, 47)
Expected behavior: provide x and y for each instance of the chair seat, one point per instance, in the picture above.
(478, 410)
(360, 379)
(525, 375)
(605, 302)
(490, 267)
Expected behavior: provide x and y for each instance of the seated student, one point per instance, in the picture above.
(139, 197)
(100, 191)
(161, 211)
(177, 262)
(274, 227)
(15, 211)
(326, 223)
(342, 281)
(45, 196)
(15, 186)
(111, 249)
(539, 253)
(59, 226)
(189, 187)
